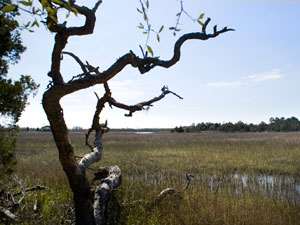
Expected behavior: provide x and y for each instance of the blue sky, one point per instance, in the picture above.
(250, 74)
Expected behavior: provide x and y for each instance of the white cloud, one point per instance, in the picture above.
(254, 78)
(274, 75)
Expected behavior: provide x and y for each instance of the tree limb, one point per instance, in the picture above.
(35, 188)
(63, 33)
(144, 64)
(140, 106)
(100, 129)
(77, 59)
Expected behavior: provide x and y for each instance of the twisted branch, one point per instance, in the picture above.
(144, 64)
(100, 129)
(63, 33)
(96, 150)
(141, 106)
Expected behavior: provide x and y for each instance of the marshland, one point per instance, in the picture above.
(239, 178)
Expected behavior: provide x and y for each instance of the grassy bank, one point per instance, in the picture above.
(228, 169)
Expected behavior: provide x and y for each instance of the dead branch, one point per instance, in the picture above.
(188, 178)
(100, 129)
(35, 188)
(171, 192)
(87, 69)
(165, 195)
(10, 201)
(7, 214)
(104, 190)
(77, 59)
(140, 106)
(96, 153)
(103, 128)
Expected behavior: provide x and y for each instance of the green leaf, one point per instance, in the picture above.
(54, 19)
(201, 16)
(139, 10)
(50, 11)
(57, 2)
(147, 4)
(8, 8)
(16, 23)
(27, 25)
(178, 14)
(49, 24)
(150, 50)
(172, 28)
(161, 29)
(67, 16)
(29, 3)
(145, 17)
(158, 39)
(75, 11)
(35, 23)
(141, 26)
(145, 32)
(202, 24)
(44, 3)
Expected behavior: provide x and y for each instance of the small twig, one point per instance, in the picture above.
(188, 177)
(35, 188)
(96, 6)
(77, 59)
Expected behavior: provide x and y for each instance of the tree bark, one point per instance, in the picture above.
(76, 175)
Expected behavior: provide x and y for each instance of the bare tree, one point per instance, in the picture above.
(90, 207)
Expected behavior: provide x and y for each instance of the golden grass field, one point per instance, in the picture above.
(239, 178)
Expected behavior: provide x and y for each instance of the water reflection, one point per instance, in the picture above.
(280, 187)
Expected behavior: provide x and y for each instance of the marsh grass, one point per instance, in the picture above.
(228, 188)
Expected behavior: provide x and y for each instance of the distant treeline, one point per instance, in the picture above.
(275, 124)
(80, 129)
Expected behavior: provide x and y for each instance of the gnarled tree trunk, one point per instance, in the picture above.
(91, 209)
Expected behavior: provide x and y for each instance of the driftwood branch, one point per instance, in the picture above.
(10, 201)
(104, 190)
(165, 195)
(7, 214)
